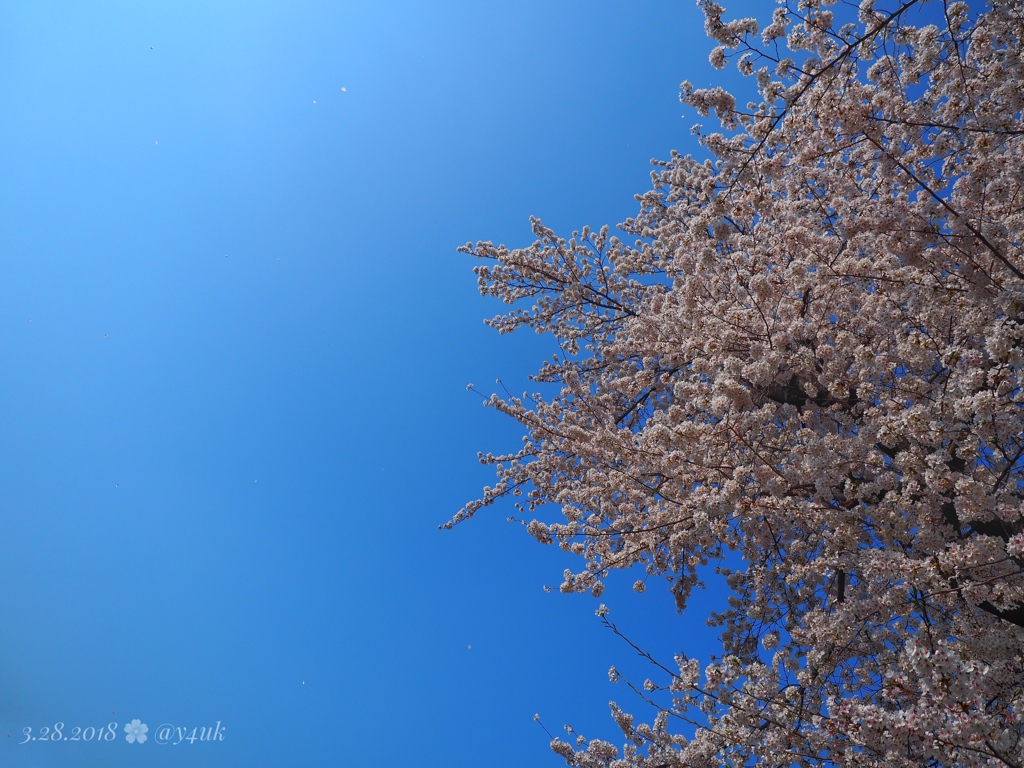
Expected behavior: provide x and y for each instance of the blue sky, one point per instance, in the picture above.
(234, 342)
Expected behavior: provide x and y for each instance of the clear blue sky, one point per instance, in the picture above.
(234, 343)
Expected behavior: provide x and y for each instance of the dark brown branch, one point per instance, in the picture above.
(1013, 615)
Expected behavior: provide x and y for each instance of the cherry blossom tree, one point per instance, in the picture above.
(809, 354)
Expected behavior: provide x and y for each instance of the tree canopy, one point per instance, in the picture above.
(807, 349)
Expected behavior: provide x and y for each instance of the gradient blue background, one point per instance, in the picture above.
(234, 343)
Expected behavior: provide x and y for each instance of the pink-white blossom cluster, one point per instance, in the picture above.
(810, 354)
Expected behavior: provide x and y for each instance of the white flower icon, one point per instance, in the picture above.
(136, 731)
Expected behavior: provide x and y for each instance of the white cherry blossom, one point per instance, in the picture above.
(809, 352)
